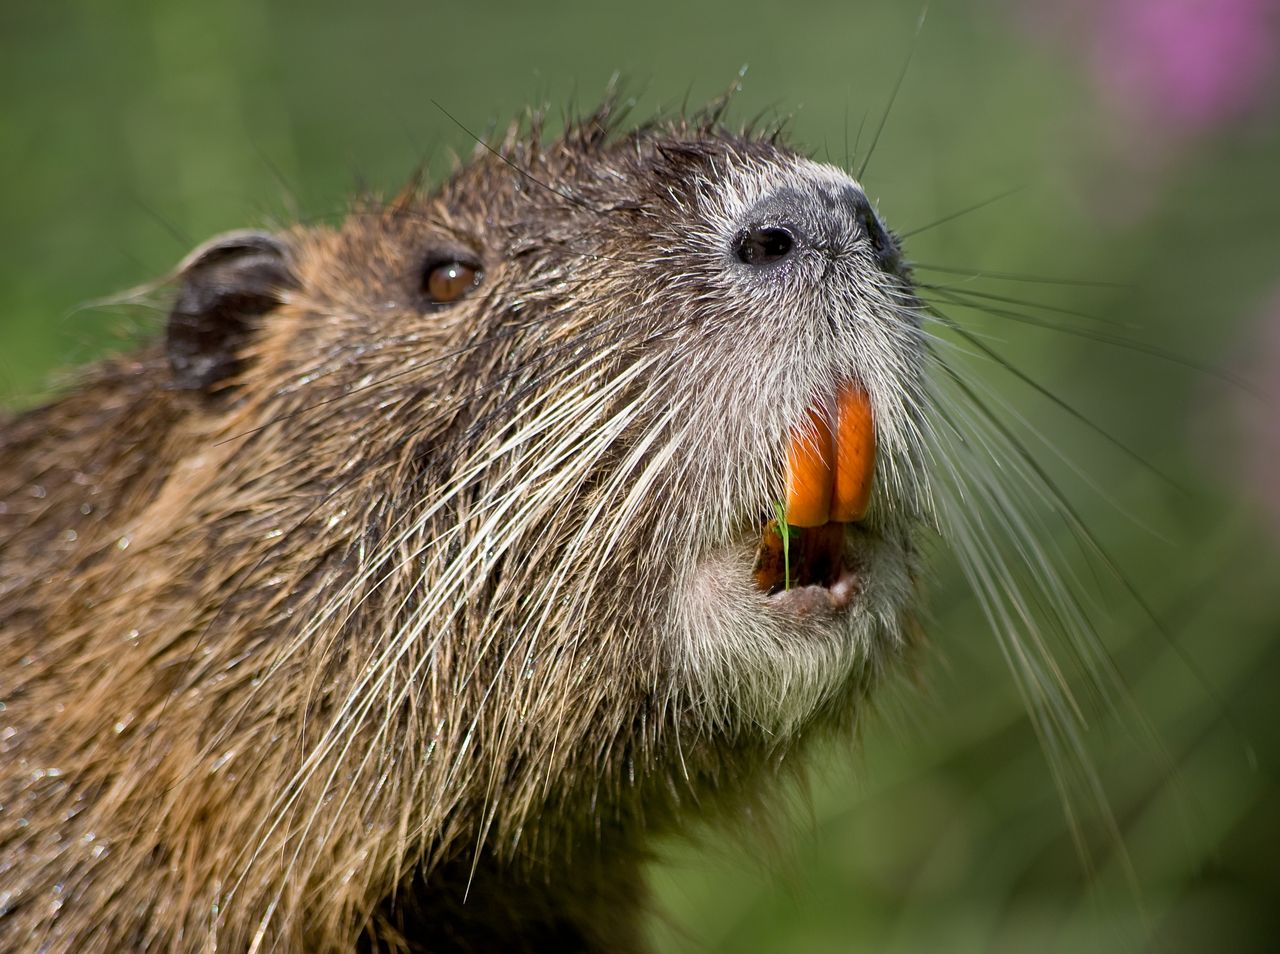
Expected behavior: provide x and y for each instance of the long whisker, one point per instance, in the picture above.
(1060, 402)
(893, 95)
(1016, 276)
(1119, 341)
(951, 217)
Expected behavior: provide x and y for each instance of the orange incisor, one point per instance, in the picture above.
(830, 470)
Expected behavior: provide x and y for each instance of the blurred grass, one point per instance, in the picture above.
(130, 132)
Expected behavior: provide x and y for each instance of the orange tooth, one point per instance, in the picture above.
(810, 456)
(856, 455)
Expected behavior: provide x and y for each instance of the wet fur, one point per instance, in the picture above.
(427, 606)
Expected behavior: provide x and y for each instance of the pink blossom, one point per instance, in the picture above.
(1184, 65)
(1167, 69)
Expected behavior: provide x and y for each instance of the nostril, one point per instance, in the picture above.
(764, 245)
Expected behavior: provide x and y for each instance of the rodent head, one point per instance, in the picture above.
(591, 428)
(442, 527)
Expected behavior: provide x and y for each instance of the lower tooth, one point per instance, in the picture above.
(769, 570)
(815, 557)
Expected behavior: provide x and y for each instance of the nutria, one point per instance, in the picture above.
(428, 566)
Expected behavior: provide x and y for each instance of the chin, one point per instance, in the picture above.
(757, 661)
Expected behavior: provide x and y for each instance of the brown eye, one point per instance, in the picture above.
(448, 281)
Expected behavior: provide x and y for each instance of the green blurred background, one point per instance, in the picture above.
(131, 131)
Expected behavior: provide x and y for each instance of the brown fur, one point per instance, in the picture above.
(196, 584)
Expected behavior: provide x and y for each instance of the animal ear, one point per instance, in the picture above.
(225, 287)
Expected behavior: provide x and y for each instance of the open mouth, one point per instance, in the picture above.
(830, 469)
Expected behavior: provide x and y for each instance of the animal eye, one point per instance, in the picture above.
(445, 282)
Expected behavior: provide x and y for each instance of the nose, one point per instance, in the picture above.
(823, 217)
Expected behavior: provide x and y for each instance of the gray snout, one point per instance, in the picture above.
(829, 219)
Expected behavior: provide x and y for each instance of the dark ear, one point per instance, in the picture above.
(224, 288)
